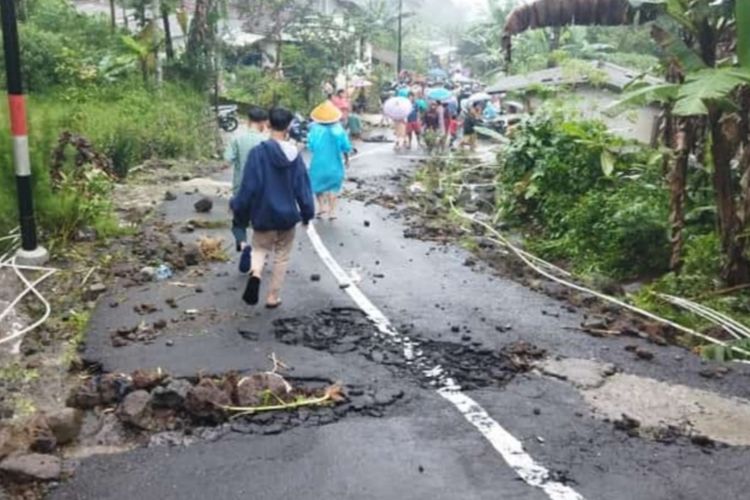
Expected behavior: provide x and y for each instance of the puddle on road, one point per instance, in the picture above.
(344, 330)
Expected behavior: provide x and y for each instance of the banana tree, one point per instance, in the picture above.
(144, 47)
(703, 87)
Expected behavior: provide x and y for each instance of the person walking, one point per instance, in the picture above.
(471, 121)
(236, 154)
(413, 124)
(328, 142)
(444, 123)
(275, 195)
(341, 101)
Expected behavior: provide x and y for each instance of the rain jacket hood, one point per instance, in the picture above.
(275, 193)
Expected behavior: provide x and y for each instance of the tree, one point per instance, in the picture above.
(168, 7)
(273, 18)
(375, 21)
(113, 15)
(199, 61)
(698, 93)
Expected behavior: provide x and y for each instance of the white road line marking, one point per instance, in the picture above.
(378, 149)
(509, 448)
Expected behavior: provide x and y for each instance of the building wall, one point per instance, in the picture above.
(633, 124)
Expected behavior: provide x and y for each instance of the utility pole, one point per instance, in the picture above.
(400, 65)
(30, 253)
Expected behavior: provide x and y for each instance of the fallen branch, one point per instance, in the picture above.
(725, 291)
(333, 394)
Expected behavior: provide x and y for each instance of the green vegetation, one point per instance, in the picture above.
(77, 325)
(597, 200)
(252, 85)
(704, 49)
(16, 374)
(85, 80)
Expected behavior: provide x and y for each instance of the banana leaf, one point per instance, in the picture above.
(742, 9)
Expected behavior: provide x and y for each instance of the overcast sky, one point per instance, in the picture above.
(452, 11)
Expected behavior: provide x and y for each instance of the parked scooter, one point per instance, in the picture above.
(299, 128)
(227, 118)
(498, 124)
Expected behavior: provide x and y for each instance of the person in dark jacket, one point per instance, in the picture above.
(276, 196)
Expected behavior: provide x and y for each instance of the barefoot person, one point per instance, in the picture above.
(275, 195)
(236, 154)
(328, 143)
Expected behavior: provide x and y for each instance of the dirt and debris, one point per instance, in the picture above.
(425, 213)
(628, 425)
(204, 205)
(212, 249)
(152, 401)
(30, 467)
(344, 330)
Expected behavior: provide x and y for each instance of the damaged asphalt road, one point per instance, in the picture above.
(419, 447)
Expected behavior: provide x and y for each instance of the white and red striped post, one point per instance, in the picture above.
(30, 253)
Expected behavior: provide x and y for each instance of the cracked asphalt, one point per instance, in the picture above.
(422, 448)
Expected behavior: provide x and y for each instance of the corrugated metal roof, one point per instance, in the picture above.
(617, 78)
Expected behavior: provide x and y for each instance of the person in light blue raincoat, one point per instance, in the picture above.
(328, 142)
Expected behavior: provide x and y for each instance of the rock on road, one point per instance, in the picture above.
(421, 448)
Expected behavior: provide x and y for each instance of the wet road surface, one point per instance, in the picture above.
(422, 447)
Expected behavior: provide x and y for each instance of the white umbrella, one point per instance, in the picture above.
(397, 108)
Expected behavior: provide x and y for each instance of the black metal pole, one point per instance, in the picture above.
(400, 36)
(17, 108)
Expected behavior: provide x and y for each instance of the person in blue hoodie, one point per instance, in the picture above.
(275, 195)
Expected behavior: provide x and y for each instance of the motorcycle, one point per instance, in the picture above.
(227, 118)
(299, 128)
(498, 124)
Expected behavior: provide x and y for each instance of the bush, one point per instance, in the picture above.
(252, 85)
(61, 47)
(597, 200)
(130, 124)
(699, 281)
(621, 233)
(126, 122)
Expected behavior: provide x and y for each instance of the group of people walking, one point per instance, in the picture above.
(437, 124)
(274, 192)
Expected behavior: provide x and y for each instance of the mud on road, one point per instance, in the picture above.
(349, 330)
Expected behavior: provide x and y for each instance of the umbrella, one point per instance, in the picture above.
(479, 97)
(403, 92)
(439, 94)
(397, 108)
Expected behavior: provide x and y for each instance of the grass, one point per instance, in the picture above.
(127, 123)
(78, 324)
(15, 374)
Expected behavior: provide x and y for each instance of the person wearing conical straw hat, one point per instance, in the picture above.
(328, 142)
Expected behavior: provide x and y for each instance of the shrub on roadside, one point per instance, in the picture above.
(620, 233)
(130, 123)
(252, 85)
(126, 122)
(596, 199)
